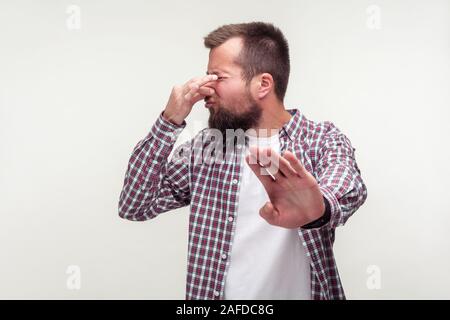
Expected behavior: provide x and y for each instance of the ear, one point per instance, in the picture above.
(264, 85)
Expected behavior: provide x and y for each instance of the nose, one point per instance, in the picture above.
(210, 86)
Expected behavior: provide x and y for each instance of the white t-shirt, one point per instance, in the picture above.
(266, 261)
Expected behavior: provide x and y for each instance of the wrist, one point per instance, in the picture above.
(323, 220)
(172, 119)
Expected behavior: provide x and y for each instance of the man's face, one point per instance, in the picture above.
(232, 105)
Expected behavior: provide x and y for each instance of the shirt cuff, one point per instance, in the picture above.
(166, 131)
(323, 220)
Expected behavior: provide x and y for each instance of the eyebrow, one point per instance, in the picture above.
(215, 72)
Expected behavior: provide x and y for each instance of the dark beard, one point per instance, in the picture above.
(223, 119)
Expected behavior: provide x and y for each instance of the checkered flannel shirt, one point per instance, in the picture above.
(155, 184)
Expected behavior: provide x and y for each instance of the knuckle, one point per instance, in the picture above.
(193, 86)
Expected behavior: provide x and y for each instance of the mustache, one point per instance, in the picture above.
(222, 118)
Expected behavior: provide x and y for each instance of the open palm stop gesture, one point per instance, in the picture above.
(295, 196)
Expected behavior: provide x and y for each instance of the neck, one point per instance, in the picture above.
(272, 120)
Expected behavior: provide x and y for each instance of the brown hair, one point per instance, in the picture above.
(265, 49)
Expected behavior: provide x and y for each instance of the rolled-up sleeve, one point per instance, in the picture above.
(154, 184)
(338, 175)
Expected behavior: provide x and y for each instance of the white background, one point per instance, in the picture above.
(74, 103)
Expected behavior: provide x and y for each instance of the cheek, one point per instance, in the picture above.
(229, 90)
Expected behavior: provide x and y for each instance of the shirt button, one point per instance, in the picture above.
(230, 218)
(216, 293)
(235, 181)
(224, 256)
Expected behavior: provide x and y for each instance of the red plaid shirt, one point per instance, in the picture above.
(154, 184)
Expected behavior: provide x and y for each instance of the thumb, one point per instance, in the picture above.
(269, 213)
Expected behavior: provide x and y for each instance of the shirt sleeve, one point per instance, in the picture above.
(154, 184)
(338, 175)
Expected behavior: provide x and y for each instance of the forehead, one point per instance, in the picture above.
(222, 58)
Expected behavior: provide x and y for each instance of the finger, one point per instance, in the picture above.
(187, 87)
(202, 93)
(270, 161)
(193, 80)
(205, 91)
(265, 178)
(295, 163)
(258, 153)
(198, 82)
(193, 90)
(269, 213)
(286, 168)
(205, 80)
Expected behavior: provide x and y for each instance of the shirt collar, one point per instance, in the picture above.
(293, 127)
